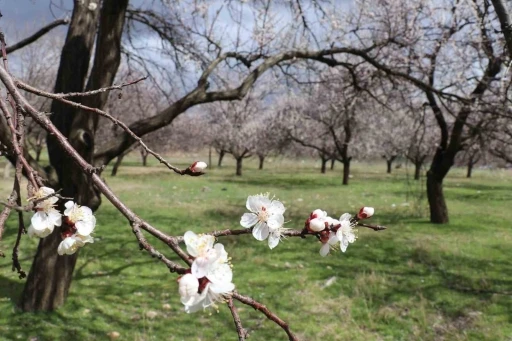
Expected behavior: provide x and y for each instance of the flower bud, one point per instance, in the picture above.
(365, 212)
(188, 285)
(317, 224)
(198, 166)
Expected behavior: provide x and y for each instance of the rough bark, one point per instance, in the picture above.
(50, 277)
(437, 203)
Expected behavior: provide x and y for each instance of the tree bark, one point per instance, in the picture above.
(346, 170)
(262, 160)
(239, 166)
(333, 161)
(50, 276)
(437, 203)
(389, 166)
(324, 165)
(221, 157)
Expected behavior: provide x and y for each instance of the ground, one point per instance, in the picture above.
(414, 281)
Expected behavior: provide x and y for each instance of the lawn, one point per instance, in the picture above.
(414, 281)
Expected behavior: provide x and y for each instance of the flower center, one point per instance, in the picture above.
(75, 215)
(263, 214)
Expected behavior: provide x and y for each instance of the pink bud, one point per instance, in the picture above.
(198, 166)
(365, 212)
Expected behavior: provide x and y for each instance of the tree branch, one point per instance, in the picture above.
(36, 35)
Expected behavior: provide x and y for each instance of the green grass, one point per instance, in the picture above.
(414, 281)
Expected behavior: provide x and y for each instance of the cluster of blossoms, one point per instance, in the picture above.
(76, 226)
(267, 218)
(210, 277)
(332, 231)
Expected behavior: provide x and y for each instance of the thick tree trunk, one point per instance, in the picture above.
(470, 169)
(118, 162)
(239, 166)
(50, 276)
(346, 171)
(333, 161)
(437, 203)
(221, 157)
(262, 160)
(389, 164)
(324, 165)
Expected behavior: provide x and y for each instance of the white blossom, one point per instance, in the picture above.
(46, 217)
(346, 232)
(330, 244)
(80, 217)
(211, 276)
(266, 216)
(72, 243)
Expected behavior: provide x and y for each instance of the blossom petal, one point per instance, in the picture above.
(345, 216)
(220, 273)
(256, 202)
(324, 250)
(276, 207)
(222, 288)
(273, 240)
(344, 245)
(69, 207)
(260, 231)
(39, 221)
(248, 220)
(275, 222)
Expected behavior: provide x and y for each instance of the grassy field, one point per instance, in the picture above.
(414, 281)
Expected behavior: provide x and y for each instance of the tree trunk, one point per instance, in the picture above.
(437, 203)
(324, 165)
(239, 166)
(333, 161)
(119, 160)
(346, 170)
(144, 160)
(470, 169)
(417, 170)
(221, 157)
(389, 164)
(210, 157)
(50, 276)
(262, 159)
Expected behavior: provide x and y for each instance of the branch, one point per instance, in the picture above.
(36, 35)
(242, 333)
(270, 315)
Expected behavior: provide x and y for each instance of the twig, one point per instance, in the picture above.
(270, 315)
(59, 97)
(373, 227)
(36, 35)
(242, 333)
(144, 245)
(89, 93)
